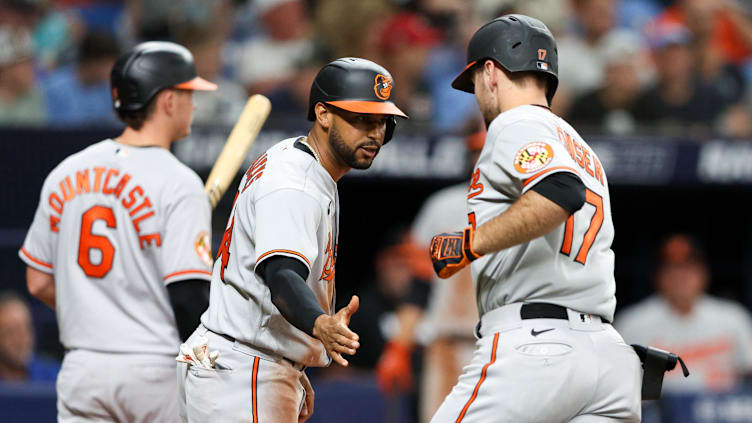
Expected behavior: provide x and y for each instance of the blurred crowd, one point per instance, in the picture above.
(657, 67)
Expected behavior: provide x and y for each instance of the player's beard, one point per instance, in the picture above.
(489, 110)
(349, 155)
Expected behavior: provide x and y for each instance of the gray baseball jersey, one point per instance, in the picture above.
(573, 266)
(715, 340)
(115, 224)
(286, 205)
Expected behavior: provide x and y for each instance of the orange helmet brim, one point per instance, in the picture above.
(370, 107)
(197, 84)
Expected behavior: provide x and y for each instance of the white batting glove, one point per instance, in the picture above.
(198, 354)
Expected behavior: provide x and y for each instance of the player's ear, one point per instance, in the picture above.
(324, 116)
(170, 102)
(490, 76)
(164, 102)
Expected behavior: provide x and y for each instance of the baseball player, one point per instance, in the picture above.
(539, 238)
(119, 247)
(271, 311)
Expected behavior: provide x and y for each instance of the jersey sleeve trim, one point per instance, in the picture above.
(527, 181)
(194, 272)
(33, 259)
(284, 252)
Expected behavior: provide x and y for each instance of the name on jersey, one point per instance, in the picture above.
(255, 171)
(107, 181)
(581, 155)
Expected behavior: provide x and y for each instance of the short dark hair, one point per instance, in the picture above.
(135, 119)
(542, 79)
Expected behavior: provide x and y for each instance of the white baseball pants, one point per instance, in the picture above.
(546, 370)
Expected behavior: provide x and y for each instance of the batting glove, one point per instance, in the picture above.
(198, 354)
(452, 251)
(394, 369)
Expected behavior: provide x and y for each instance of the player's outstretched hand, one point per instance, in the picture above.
(333, 332)
(452, 251)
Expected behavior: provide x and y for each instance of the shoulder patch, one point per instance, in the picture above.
(533, 156)
(203, 248)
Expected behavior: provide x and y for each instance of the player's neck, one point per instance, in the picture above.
(317, 141)
(148, 135)
(522, 97)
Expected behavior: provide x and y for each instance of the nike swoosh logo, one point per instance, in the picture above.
(538, 332)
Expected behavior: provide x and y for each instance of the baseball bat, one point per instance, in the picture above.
(236, 147)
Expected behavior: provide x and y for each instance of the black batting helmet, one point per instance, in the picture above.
(150, 67)
(356, 85)
(516, 42)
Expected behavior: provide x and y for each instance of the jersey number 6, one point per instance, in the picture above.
(89, 241)
(596, 221)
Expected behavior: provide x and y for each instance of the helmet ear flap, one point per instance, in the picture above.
(391, 123)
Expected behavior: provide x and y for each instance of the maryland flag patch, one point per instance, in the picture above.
(203, 248)
(532, 157)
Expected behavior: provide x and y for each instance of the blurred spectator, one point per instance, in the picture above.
(267, 61)
(54, 32)
(17, 360)
(723, 22)
(452, 109)
(165, 19)
(405, 40)
(21, 103)
(581, 54)
(79, 94)
(292, 98)
(223, 106)
(350, 28)
(608, 109)
(713, 335)
(679, 103)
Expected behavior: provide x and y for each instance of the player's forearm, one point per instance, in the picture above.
(530, 217)
(285, 278)
(41, 285)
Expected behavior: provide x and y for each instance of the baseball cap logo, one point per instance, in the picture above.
(382, 86)
(542, 54)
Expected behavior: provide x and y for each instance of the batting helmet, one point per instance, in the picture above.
(150, 67)
(516, 42)
(356, 85)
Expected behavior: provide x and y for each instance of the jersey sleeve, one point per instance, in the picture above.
(528, 151)
(38, 247)
(186, 244)
(286, 224)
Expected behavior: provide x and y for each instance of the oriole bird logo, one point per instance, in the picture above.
(382, 86)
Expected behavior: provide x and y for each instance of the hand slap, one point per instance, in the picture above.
(333, 332)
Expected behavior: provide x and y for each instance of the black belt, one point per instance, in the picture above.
(546, 311)
(295, 365)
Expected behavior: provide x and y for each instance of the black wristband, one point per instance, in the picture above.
(286, 279)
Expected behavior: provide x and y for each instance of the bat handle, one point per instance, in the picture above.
(214, 194)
